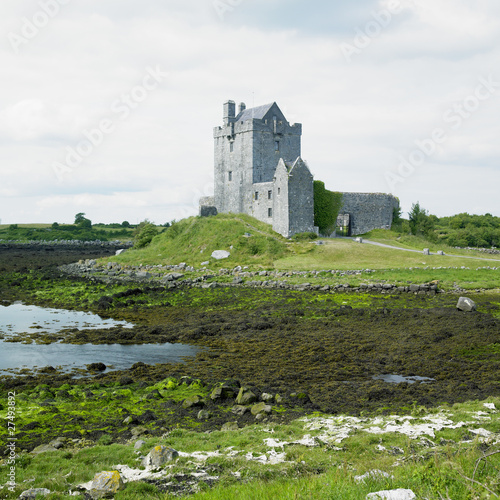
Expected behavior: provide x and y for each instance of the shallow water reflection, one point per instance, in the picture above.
(397, 379)
(19, 318)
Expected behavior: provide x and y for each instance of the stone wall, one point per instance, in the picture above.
(369, 211)
(300, 199)
(262, 201)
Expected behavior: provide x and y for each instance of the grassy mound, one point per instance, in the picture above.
(192, 240)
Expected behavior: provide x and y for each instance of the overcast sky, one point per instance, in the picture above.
(108, 106)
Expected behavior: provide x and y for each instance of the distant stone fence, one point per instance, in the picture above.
(172, 276)
(72, 243)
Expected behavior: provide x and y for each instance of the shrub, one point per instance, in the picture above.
(144, 234)
(327, 205)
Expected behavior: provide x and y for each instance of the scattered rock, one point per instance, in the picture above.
(440, 252)
(239, 410)
(245, 396)
(96, 367)
(174, 276)
(230, 426)
(139, 444)
(155, 394)
(159, 456)
(125, 381)
(205, 263)
(58, 443)
(399, 494)
(373, 474)
(203, 415)
(260, 408)
(395, 450)
(139, 431)
(131, 419)
(33, 493)
(44, 448)
(266, 397)
(191, 402)
(466, 304)
(223, 392)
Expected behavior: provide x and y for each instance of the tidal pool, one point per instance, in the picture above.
(397, 379)
(19, 319)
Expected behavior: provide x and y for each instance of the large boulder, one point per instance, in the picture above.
(466, 304)
(220, 254)
(159, 456)
(105, 484)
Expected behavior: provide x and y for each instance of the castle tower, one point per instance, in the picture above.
(248, 148)
(258, 169)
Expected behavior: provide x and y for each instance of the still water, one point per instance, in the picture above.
(398, 379)
(19, 318)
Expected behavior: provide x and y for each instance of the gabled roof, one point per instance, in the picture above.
(299, 164)
(259, 112)
(289, 166)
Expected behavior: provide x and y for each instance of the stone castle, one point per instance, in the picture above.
(259, 171)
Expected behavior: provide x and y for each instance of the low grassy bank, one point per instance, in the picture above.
(193, 240)
(253, 245)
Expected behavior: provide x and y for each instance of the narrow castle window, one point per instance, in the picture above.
(276, 145)
(269, 212)
(230, 176)
(256, 195)
(279, 190)
(269, 195)
(231, 147)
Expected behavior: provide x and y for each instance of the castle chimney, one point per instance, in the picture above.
(243, 106)
(229, 111)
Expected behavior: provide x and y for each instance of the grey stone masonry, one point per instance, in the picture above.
(369, 210)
